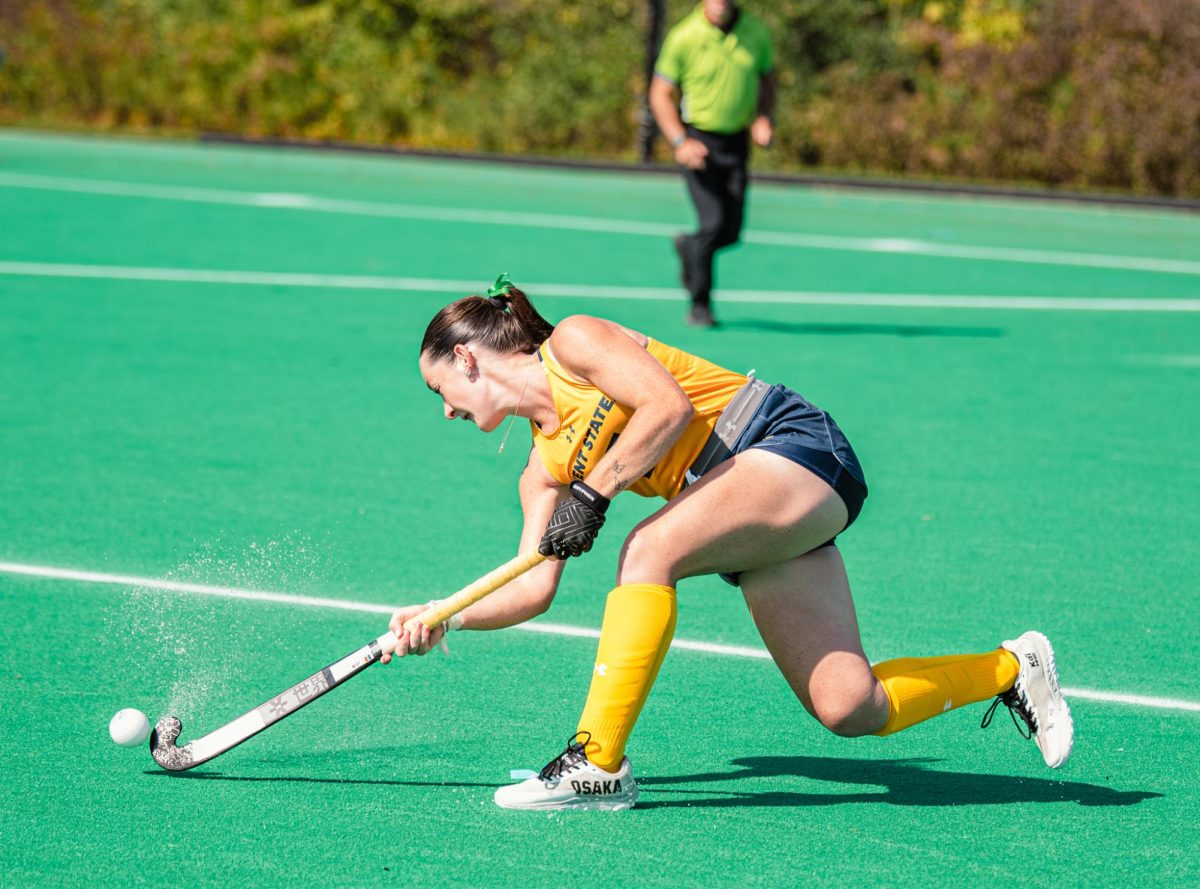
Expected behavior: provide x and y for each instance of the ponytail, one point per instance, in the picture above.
(504, 320)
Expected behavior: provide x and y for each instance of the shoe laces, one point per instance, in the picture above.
(1018, 704)
(572, 756)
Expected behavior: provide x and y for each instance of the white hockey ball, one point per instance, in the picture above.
(129, 727)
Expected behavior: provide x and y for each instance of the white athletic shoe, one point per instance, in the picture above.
(569, 781)
(1037, 699)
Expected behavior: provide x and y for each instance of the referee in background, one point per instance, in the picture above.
(720, 59)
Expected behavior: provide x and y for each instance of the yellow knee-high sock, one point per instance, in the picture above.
(639, 621)
(921, 688)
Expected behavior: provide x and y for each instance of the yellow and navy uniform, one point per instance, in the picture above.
(590, 421)
(639, 618)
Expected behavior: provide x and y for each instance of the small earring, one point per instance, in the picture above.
(467, 372)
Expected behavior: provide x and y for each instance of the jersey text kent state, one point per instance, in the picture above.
(583, 455)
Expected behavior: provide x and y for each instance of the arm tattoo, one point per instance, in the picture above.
(618, 468)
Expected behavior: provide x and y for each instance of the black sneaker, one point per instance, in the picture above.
(700, 315)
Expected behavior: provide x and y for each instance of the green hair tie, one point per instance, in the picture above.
(502, 287)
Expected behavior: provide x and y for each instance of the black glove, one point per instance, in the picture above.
(575, 523)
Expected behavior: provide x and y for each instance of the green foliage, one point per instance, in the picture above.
(1088, 93)
(1097, 94)
(456, 73)
(999, 22)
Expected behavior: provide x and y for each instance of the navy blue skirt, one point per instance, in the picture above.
(788, 425)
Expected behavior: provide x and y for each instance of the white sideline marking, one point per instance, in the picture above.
(1187, 361)
(176, 586)
(436, 285)
(536, 627)
(314, 203)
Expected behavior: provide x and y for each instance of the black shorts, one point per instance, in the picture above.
(788, 425)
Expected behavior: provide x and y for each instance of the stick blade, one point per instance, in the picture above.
(163, 749)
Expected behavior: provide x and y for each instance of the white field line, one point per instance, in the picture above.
(476, 216)
(437, 285)
(1012, 203)
(174, 586)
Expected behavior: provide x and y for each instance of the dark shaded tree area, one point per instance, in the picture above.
(1080, 93)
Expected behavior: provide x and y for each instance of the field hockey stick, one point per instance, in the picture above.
(246, 726)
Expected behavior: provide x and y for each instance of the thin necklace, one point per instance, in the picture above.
(514, 416)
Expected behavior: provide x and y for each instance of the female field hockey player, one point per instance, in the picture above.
(758, 484)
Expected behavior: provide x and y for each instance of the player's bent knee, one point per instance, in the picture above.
(845, 725)
(850, 715)
(643, 558)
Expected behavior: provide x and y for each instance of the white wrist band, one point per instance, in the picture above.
(453, 622)
(450, 624)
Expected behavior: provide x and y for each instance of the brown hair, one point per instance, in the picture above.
(505, 323)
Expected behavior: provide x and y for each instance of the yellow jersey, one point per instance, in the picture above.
(589, 421)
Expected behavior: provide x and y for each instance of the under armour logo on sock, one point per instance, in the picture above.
(601, 669)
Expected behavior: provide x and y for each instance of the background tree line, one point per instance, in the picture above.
(1095, 94)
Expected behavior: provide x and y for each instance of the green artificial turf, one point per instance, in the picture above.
(1028, 469)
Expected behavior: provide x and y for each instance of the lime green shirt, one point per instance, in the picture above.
(718, 73)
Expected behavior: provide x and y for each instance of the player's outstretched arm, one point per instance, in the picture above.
(516, 602)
